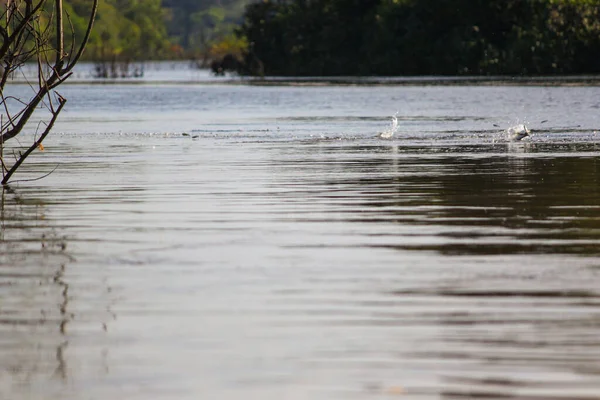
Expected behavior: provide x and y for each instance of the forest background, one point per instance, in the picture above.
(354, 37)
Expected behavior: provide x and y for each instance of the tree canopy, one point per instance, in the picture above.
(409, 37)
(155, 29)
(353, 37)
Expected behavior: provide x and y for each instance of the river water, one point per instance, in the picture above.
(233, 241)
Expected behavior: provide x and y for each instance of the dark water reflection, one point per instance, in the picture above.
(514, 322)
(34, 297)
(261, 260)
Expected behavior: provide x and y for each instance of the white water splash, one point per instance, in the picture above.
(517, 132)
(389, 132)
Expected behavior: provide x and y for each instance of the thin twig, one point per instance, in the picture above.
(62, 101)
(60, 35)
(35, 179)
(86, 37)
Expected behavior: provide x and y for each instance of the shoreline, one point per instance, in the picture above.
(583, 80)
(362, 81)
(181, 73)
(579, 80)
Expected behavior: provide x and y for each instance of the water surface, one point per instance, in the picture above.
(230, 241)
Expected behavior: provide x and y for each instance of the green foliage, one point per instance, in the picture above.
(230, 44)
(196, 25)
(129, 30)
(136, 30)
(408, 37)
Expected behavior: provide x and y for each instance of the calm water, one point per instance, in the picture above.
(281, 250)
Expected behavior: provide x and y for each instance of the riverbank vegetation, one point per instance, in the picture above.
(347, 37)
(130, 31)
(422, 37)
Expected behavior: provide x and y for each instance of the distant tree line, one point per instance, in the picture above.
(204, 28)
(129, 31)
(416, 37)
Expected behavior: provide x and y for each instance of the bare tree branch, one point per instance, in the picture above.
(86, 38)
(62, 101)
(31, 33)
(60, 35)
(11, 37)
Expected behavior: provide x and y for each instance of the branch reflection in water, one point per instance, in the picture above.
(35, 296)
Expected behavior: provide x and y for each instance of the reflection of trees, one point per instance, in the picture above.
(474, 200)
(34, 295)
(502, 324)
(532, 204)
(485, 327)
